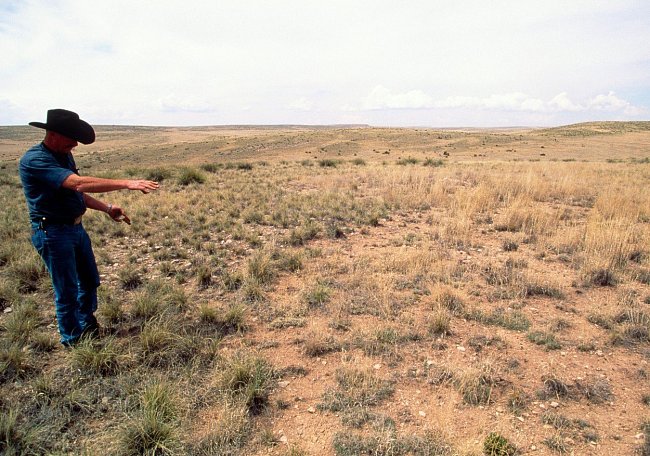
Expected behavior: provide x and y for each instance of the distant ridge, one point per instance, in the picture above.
(598, 128)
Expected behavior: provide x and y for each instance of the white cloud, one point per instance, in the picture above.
(609, 102)
(380, 97)
(561, 102)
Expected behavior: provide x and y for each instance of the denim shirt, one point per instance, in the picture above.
(42, 173)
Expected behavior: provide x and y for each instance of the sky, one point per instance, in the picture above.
(433, 63)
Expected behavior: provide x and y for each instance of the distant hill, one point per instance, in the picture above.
(598, 128)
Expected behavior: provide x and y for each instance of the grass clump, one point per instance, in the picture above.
(14, 362)
(165, 343)
(475, 384)
(247, 378)
(211, 167)
(21, 323)
(302, 234)
(386, 441)
(319, 345)
(158, 174)
(158, 298)
(153, 430)
(129, 278)
(8, 294)
(557, 444)
(225, 321)
(28, 272)
(545, 339)
(189, 176)
(556, 420)
(110, 307)
(328, 163)
(15, 441)
(434, 163)
(318, 295)
(407, 161)
(553, 387)
(497, 445)
(439, 322)
(96, 358)
(445, 297)
(514, 320)
(384, 341)
(356, 388)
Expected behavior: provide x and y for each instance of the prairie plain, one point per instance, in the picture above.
(343, 290)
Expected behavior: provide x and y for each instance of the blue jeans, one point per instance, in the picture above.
(68, 255)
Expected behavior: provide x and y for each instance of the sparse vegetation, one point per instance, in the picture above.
(376, 281)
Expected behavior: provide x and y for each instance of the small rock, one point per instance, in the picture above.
(422, 414)
(284, 439)
(520, 418)
(311, 410)
(554, 404)
(533, 447)
(460, 348)
(283, 384)
(376, 366)
(8, 310)
(638, 436)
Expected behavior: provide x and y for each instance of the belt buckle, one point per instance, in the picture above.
(77, 221)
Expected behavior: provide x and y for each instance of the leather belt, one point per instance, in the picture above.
(69, 221)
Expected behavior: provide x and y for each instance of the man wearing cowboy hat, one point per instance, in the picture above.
(57, 197)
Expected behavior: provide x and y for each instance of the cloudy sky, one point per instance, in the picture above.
(438, 63)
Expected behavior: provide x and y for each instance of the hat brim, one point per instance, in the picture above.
(81, 131)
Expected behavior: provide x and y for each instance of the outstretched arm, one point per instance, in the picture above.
(89, 184)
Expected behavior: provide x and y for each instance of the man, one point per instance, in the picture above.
(57, 197)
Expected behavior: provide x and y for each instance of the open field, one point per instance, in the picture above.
(343, 290)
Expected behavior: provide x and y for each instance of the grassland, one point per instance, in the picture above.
(343, 290)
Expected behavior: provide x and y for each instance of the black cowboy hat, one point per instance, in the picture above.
(67, 123)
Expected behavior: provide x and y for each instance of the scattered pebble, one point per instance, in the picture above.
(422, 414)
(311, 410)
(555, 404)
(377, 366)
(8, 310)
(460, 348)
(283, 384)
